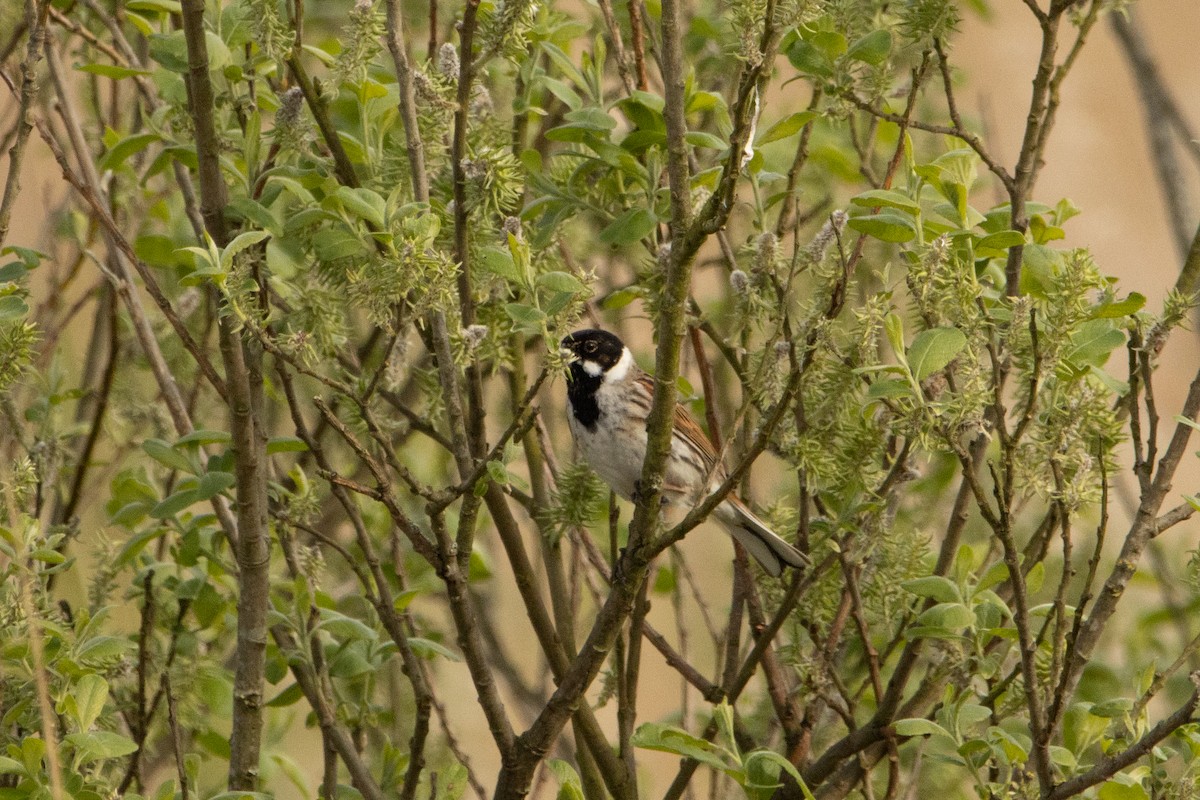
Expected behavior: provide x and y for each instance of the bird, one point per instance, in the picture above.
(610, 398)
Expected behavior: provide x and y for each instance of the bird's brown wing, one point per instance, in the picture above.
(686, 427)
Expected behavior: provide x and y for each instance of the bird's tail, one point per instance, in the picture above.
(767, 547)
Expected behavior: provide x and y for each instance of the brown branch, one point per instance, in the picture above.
(342, 165)
(397, 46)
(1141, 531)
(637, 12)
(1157, 104)
(35, 21)
(243, 370)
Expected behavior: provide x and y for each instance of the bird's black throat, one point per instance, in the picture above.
(581, 391)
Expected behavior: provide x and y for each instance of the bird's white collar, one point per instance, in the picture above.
(620, 370)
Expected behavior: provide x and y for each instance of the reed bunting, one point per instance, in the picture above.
(610, 398)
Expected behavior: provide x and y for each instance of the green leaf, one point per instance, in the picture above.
(1111, 709)
(162, 6)
(125, 148)
(767, 764)
(403, 600)
(1092, 343)
(807, 58)
(951, 617)
(286, 444)
(344, 627)
(364, 204)
(12, 307)
(1000, 241)
(48, 556)
(13, 271)
(561, 282)
(788, 126)
(1039, 267)
(887, 226)
(563, 92)
(241, 242)
(334, 244)
(289, 696)
(524, 315)
(565, 64)
(622, 298)
(893, 325)
(1120, 308)
(1016, 750)
(253, 211)
(669, 739)
(936, 587)
(886, 198)
(95, 745)
(831, 42)
(871, 49)
(170, 50)
(33, 748)
(1123, 787)
(213, 483)
(427, 648)
(203, 437)
(916, 726)
(590, 119)
(90, 694)
(168, 456)
(138, 541)
(175, 503)
(112, 70)
(888, 388)
(497, 472)
(29, 257)
(10, 766)
(699, 101)
(569, 785)
(499, 261)
(705, 139)
(1114, 384)
(630, 227)
(933, 349)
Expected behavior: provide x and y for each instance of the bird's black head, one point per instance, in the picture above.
(594, 353)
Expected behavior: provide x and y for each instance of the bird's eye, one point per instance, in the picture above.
(590, 347)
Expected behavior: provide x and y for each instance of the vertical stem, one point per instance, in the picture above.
(35, 14)
(41, 684)
(243, 368)
(408, 105)
(458, 154)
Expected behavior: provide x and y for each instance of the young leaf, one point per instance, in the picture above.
(875, 198)
(788, 126)
(168, 456)
(916, 726)
(933, 349)
(95, 745)
(630, 227)
(936, 587)
(90, 694)
(871, 49)
(886, 227)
